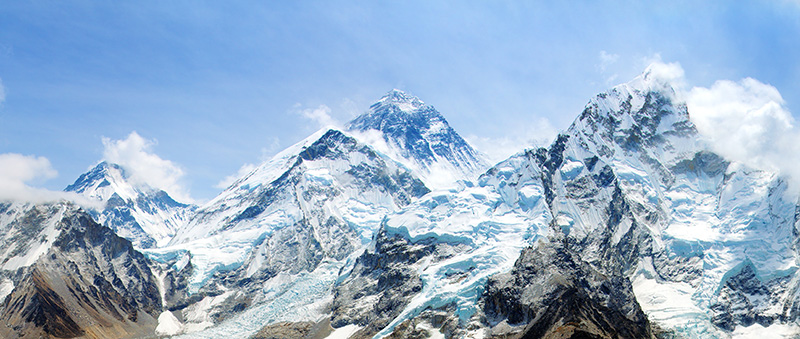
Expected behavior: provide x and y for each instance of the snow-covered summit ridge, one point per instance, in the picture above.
(646, 115)
(399, 99)
(418, 136)
(660, 77)
(136, 211)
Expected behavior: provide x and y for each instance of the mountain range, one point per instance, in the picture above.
(627, 226)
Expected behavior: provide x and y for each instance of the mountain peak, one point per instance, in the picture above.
(135, 211)
(418, 136)
(398, 99)
(658, 77)
(99, 173)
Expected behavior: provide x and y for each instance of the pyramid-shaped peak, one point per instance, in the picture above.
(665, 78)
(418, 136)
(100, 172)
(402, 100)
(643, 112)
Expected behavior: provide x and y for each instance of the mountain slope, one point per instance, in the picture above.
(301, 213)
(553, 293)
(419, 137)
(144, 215)
(86, 283)
(450, 243)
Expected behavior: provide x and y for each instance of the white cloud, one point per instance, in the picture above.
(606, 59)
(134, 153)
(540, 133)
(666, 73)
(321, 115)
(747, 122)
(17, 171)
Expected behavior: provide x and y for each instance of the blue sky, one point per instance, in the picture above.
(210, 86)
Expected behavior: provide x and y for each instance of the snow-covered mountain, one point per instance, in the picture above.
(311, 206)
(633, 194)
(694, 219)
(146, 216)
(65, 276)
(627, 226)
(417, 135)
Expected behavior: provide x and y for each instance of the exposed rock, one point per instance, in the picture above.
(382, 282)
(91, 283)
(552, 293)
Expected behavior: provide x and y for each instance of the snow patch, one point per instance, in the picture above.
(776, 331)
(168, 324)
(571, 169)
(6, 286)
(343, 332)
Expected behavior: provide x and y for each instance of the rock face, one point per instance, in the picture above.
(383, 282)
(146, 216)
(744, 299)
(88, 283)
(552, 293)
(294, 330)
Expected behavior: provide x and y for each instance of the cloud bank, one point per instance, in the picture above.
(747, 121)
(135, 155)
(18, 171)
(539, 133)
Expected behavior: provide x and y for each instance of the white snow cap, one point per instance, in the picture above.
(662, 77)
(402, 100)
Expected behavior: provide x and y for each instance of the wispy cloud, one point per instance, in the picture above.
(229, 180)
(537, 133)
(320, 115)
(135, 154)
(266, 153)
(606, 59)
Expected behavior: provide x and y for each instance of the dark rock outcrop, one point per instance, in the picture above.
(91, 283)
(552, 293)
